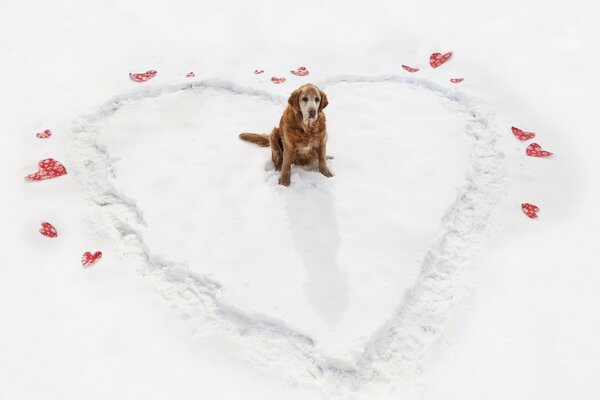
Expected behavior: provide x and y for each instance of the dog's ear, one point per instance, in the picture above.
(324, 101)
(293, 100)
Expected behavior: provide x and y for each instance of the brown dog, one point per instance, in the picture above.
(301, 136)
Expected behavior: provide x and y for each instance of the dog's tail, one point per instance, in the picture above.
(261, 140)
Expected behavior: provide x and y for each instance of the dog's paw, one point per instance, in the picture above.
(326, 172)
(284, 180)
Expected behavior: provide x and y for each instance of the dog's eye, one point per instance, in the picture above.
(305, 99)
(317, 99)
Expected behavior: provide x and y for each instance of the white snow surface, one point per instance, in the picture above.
(411, 273)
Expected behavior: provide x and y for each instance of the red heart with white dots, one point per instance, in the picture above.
(44, 135)
(190, 75)
(457, 80)
(88, 259)
(409, 69)
(49, 168)
(143, 76)
(277, 80)
(302, 71)
(48, 230)
(259, 71)
(522, 135)
(437, 59)
(535, 150)
(530, 210)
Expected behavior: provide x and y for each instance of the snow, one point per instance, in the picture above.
(465, 293)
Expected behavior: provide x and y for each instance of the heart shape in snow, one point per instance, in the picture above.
(88, 259)
(457, 80)
(301, 71)
(277, 80)
(437, 59)
(530, 210)
(535, 150)
(48, 169)
(48, 229)
(522, 135)
(410, 69)
(143, 76)
(44, 135)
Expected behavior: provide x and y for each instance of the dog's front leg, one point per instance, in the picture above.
(286, 167)
(323, 168)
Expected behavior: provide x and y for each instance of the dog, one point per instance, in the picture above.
(301, 137)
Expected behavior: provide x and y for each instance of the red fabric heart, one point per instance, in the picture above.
(437, 59)
(49, 168)
(277, 80)
(301, 71)
(522, 135)
(48, 230)
(409, 69)
(44, 135)
(530, 210)
(457, 80)
(535, 150)
(143, 76)
(88, 259)
(259, 71)
(190, 75)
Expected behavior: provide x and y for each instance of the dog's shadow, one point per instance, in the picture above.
(314, 227)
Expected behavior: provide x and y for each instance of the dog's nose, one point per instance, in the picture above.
(312, 113)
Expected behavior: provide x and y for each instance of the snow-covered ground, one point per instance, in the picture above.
(411, 273)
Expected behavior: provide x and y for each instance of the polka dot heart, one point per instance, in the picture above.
(190, 74)
(457, 80)
(88, 259)
(437, 59)
(535, 150)
(530, 210)
(48, 230)
(301, 71)
(49, 168)
(522, 135)
(143, 76)
(410, 69)
(44, 135)
(259, 71)
(277, 80)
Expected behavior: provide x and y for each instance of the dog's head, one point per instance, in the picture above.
(308, 101)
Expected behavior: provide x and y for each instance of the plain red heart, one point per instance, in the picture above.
(143, 76)
(48, 230)
(190, 75)
(437, 59)
(44, 135)
(49, 168)
(522, 135)
(88, 259)
(409, 69)
(277, 80)
(259, 71)
(457, 80)
(535, 150)
(530, 210)
(301, 71)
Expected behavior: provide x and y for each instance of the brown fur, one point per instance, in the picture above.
(296, 141)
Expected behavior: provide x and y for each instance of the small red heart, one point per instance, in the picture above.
(48, 230)
(44, 135)
(530, 210)
(88, 259)
(190, 75)
(438, 59)
(277, 80)
(457, 80)
(259, 71)
(49, 168)
(143, 76)
(301, 71)
(535, 150)
(522, 135)
(409, 69)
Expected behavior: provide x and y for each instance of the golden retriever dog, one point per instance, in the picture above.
(301, 137)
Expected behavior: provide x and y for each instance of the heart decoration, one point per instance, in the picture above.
(49, 168)
(301, 71)
(437, 59)
(88, 259)
(530, 210)
(259, 71)
(144, 76)
(277, 80)
(409, 69)
(48, 230)
(535, 150)
(190, 75)
(522, 135)
(44, 135)
(457, 80)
